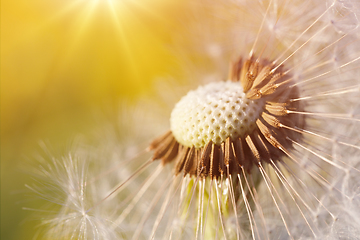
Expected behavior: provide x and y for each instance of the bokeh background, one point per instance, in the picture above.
(60, 61)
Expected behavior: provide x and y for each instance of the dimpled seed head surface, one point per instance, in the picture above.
(214, 112)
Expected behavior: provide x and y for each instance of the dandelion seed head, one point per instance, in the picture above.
(290, 171)
(223, 127)
(213, 113)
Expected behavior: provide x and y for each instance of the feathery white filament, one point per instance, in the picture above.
(212, 113)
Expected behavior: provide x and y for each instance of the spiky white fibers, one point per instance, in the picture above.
(325, 66)
(72, 184)
(64, 185)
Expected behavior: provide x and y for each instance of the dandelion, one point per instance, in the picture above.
(271, 152)
(64, 183)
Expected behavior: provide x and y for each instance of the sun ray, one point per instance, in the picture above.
(80, 28)
(123, 41)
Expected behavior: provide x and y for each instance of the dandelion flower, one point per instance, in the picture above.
(270, 152)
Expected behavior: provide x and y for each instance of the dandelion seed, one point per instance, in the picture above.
(270, 153)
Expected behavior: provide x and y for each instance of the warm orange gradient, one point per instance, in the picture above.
(61, 59)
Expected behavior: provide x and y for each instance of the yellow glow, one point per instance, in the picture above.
(93, 45)
(60, 60)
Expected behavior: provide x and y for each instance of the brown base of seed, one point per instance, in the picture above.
(271, 140)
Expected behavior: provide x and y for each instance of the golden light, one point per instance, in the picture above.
(60, 60)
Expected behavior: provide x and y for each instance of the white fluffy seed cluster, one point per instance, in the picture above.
(214, 112)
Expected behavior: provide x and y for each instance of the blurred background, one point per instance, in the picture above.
(60, 60)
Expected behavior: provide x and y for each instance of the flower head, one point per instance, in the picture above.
(271, 152)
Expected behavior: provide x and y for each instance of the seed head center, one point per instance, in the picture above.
(214, 112)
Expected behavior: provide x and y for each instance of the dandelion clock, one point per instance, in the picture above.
(263, 144)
